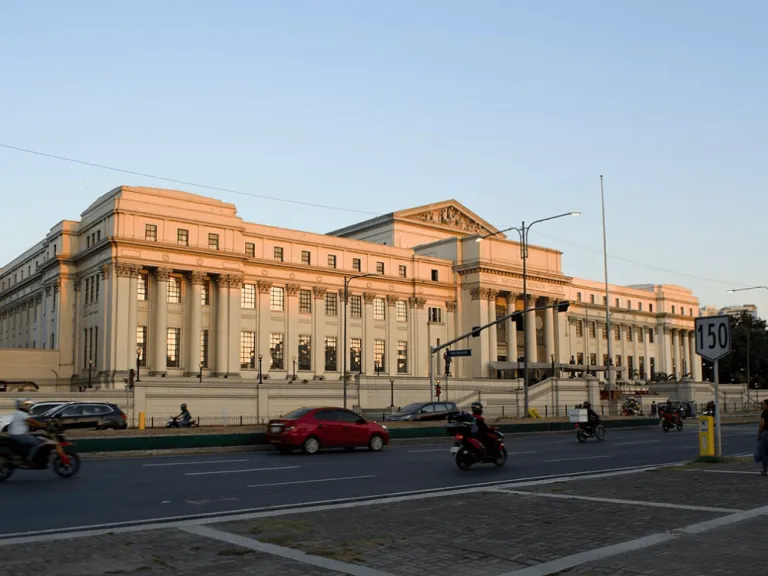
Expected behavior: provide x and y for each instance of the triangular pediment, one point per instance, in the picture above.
(450, 215)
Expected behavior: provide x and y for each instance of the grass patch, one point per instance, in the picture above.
(281, 525)
(281, 540)
(233, 552)
(723, 460)
(343, 554)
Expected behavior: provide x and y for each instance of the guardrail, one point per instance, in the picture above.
(124, 443)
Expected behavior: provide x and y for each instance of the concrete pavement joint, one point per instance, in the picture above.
(282, 551)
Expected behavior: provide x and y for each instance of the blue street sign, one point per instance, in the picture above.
(455, 353)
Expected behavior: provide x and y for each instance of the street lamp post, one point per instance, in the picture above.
(392, 393)
(138, 364)
(749, 332)
(294, 368)
(200, 374)
(347, 280)
(90, 370)
(522, 232)
(258, 391)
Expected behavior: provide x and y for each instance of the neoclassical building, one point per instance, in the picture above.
(180, 285)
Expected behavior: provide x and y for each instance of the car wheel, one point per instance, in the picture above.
(311, 445)
(376, 443)
(110, 427)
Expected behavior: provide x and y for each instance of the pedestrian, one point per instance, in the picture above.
(653, 408)
(762, 437)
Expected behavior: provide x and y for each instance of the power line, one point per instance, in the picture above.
(338, 208)
(187, 183)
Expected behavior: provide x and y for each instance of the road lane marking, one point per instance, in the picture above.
(284, 552)
(636, 443)
(582, 458)
(193, 463)
(312, 481)
(619, 501)
(241, 471)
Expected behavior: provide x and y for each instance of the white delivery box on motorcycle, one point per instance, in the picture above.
(578, 416)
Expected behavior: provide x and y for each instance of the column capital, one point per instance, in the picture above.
(222, 281)
(492, 294)
(369, 297)
(512, 297)
(135, 270)
(292, 289)
(163, 274)
(198, 278)
(105, 269)
(392, 299)
(319, 292)
(264, 286)
(450, 306)
(532, 299)
(417, 303)
(235, 281)
(480, 293)
(123, 270)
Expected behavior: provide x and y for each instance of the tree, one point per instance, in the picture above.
(749, 346)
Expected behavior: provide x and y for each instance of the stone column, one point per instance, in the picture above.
(390, 362)
(235, 299)
(159, 335)
(78, 342)
(695, 358)
(450, 311)
(529, 327)
(262, 336)
(511, 329)
(493, 337)
(133, 314)
(675, 351)
(195, 326)
(562, 345)
(222, 325)
(480, 347)
(122, 301)
(549, 332)
(318, 331)
(420, 353)
(367, 355)
(292, 329)
(667, 349)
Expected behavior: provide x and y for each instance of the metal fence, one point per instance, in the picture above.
(206, 421)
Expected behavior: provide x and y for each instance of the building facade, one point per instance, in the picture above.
(178, 285)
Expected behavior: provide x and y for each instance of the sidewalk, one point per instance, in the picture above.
(694, 520)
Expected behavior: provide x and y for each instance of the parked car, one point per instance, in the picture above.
(424, 412)
(312, 429)
(37, 409)
(83, 415)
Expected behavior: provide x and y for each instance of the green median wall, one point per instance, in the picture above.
(179, 442)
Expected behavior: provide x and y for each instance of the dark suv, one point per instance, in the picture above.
(425, 411)
(80, 415)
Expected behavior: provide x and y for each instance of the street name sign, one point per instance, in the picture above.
(457, 353)
(713, 337)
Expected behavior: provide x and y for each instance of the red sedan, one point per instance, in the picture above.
(312, 429)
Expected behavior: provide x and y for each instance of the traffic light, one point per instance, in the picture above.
(447, 364)
(438, 390)
(562, 306)
(475, 331)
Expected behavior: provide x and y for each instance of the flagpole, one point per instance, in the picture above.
(607, 305)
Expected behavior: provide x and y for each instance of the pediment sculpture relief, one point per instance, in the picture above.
(452, 217)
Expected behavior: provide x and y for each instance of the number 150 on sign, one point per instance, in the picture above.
(713, 336)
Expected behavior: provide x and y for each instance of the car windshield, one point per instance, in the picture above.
(42, 409)
(296, 414)
(411, 408)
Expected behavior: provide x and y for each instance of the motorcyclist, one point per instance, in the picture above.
(484, 432)
(185, 418)
(19, 429)
(593, 418)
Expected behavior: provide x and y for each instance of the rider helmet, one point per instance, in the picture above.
(477, 408)
(587, 405)
(23, 404)
(183, 407)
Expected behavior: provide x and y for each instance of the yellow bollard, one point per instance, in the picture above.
(706, 436)
(142, 420)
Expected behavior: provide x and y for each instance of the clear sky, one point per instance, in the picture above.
(513, 108)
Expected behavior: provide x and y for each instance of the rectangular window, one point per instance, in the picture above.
(402, 357)
(331, 261)
(605, 299)
(173, 345)
(618, 359)
(690, 311)
(276, 352)
(356, 264)
(640, 306)
(87, 291)
(174, 290)
(205, 294)
(330, 354)
(435, 315)
(629, 305)
(673, 308)
(356, 305)
(592, 330)
(605, 331)
(641, 366)
(650, 335)
(605, 359)
(379, 345)
(277, 299)
(617, 302)
(305, 352)
(142, 291)
(355, 354)
(250, 249)
(305, 301)
(580, 358)
(204, 349)
(650, 307)
(141, 345)
(248, 350)
(617, 333)
(331, 304)
(402, 311)
(248, 297)
(278, 253)
(213, 241)
(306, 257)
(435, 275)
(629, 333)
(591, 298)
(402, 271)
(579, 329)
(578, 296)
(379, 309)
(640, 333)
(593, 359)
(630, 366)
(182, 237)
(96, 279)
(652, 367)
(150, 232)
(379, 267)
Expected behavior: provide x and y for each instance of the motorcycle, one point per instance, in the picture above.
(467, 450)
(670, 420)
(54, 448)
(596, 431)
(173, 422)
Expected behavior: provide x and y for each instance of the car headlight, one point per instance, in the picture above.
(384, 427)
(407, 417)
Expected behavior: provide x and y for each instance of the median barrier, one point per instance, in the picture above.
(172, 441)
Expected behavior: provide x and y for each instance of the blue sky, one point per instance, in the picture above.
(513, 108)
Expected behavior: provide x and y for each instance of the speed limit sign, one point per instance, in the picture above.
(713, 337)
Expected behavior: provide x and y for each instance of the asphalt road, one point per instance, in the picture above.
(148, 489)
